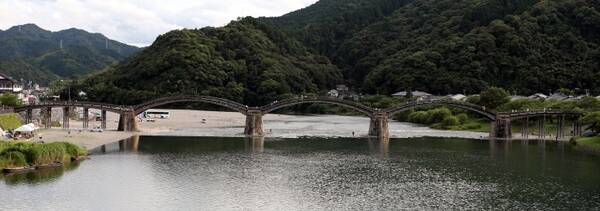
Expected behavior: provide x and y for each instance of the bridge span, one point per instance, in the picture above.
(501, 123)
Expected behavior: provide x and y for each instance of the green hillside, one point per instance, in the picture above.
(35, 54)
(375, 47)
(243, 61)
(454, 46)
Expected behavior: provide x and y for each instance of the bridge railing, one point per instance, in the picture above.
(96, 105)
(326, 99)
(548, 111)
(207, 99)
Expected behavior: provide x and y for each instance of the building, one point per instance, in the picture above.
(458, 97)
(419, 95)
(7, 84)
(538, 96)
(333, 93)
(559, 97)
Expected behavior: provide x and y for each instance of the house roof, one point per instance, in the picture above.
(538, 95)
(458, 96)
(414, 93)
(5, 77)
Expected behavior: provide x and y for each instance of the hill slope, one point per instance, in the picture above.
(376, 47)
(243, 61)
(449, 46)
(32, 53)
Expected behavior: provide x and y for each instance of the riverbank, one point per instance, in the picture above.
(589, 144)
(21, 156)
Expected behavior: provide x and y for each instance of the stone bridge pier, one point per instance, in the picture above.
(379, 125)
(501, 128)
(127, 122)
(254, 123)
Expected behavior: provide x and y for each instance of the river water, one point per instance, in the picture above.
(204, 173)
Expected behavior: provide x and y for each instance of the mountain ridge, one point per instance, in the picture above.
(438, 46)
(62, 54)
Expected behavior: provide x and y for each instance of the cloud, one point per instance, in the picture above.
(137, 22)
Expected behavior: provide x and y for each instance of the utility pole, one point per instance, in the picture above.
(69, 91)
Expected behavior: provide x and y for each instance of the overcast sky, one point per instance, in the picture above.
(137, 22)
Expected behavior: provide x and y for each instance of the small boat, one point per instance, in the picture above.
(79, 158)
(49, 166)
(18, 169)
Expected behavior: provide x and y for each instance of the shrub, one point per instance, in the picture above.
(74, 150)
(437, 115)
(14, 159)
(420, 117)
(10, 121)
(462, 118)
(494, 97)
(475, 99)
(450, 121)
(593, 120)
(48, 153)
(14, 154)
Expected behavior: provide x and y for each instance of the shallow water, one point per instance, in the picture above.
(179, 173)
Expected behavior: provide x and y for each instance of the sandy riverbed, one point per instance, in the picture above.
(212, 123)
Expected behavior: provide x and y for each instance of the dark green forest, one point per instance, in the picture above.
(31, 53)
(374, 47)
(244, 61)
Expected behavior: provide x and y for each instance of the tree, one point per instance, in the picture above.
(9, 99)
(494, 97)
(593, 120)
(450, 121)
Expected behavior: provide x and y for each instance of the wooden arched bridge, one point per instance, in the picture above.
(501, 122)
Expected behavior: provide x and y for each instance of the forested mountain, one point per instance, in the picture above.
(32, 53)
(454, 46)
(375, 47)
(243, 61)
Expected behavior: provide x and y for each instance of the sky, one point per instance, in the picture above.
(137, 22)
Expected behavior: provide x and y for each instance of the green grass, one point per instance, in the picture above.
(10, 121)
(471, 124)
(19, 154)
(592, 143)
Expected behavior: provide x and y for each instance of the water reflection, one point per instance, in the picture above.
(127, 145)
(209, 173)
(254, 144)
(379, 146)
(39, 176)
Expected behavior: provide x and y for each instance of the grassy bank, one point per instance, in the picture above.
(589, 143)
(21, 154)
(10, 121)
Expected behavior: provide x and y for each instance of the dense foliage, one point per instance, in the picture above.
(34, 54)
(10, 121)
(10, 100)
(375, 47)
(244, 61)
(450, 46)
(493, 97)
(20, 154)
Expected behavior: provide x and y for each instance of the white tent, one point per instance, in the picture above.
(28, 128)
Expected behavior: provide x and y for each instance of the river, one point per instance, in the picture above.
(205, 173)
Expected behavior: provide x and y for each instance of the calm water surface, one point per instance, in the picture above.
(178, 173)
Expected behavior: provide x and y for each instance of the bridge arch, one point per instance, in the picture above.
(204, 99)
(490, 115)
(368, 111)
